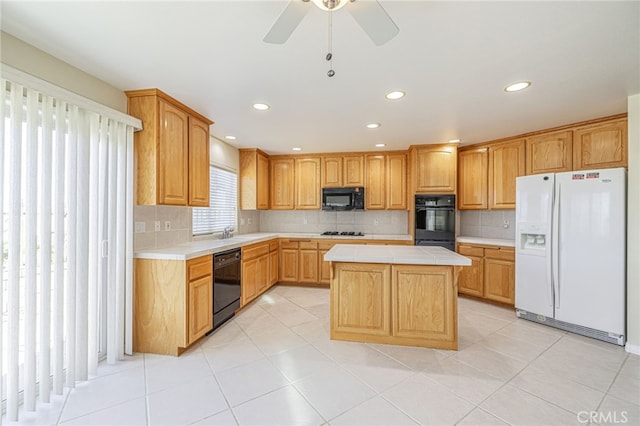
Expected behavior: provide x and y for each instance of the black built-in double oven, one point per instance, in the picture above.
(435, 221)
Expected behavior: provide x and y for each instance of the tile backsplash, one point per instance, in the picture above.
(318, 221)
(179, 219)
(488, 223)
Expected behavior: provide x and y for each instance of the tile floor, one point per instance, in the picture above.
(274, 364)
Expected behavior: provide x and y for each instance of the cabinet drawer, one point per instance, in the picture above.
(470, 250)
(199, 267)
(289, 245)
(503, 253)
(308, 245)
(273, 245)
(254, 251)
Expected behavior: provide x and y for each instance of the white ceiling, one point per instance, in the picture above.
(452, 58)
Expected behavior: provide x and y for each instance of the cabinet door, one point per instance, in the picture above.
(308, 265)
(360, 299)
(331, 172)
(423, 302)
(435, 168)
(324, 268)
(282, 184)
(173, 161)
(601, 145)
(307, 175)
(353, 171)
(250, 275)
(273, 267)
(472, 172)
(506, 162)
(263, 276)
(471, 278)
(397, 181)
(289, 265)
(263, 182)
(375, 191)
(499, 280)
(200, 302)
(549, 153)
(199, 182)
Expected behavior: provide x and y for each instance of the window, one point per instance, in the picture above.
(223, 204)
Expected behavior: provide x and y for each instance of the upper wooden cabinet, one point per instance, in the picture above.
(472, 179)
(396, 181)
(282, 183)
(600, 145)
(338, 170)
(307, 183)
(254, 180)
(434, 168)
(375, 195)
(172, 150)
(549, 152)
(506, 162)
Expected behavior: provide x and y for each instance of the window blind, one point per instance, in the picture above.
(223, 205)
(66, 195)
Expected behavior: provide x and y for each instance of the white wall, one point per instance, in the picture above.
(633, 227)
(31, 60)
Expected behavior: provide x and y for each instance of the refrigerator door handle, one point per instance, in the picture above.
(555, 246)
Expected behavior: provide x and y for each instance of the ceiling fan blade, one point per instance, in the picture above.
(287, 22)
(374, 20)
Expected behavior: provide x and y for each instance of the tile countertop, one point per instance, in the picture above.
(486, 241)
(204, 247)
(414, 255)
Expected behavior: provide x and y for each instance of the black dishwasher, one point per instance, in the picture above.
(226, 285)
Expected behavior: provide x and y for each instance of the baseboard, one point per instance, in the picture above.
(634, 349)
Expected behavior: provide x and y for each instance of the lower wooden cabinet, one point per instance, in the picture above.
(491, 275)
(256, 270)
(173, 304)
(308, 262)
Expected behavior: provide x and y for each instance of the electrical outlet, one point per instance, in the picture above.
(167, 225)
(250, 221)
(140, 227)
(241, 221)
(304, 220)
(157, 225)
(376, 222)
(505, 224)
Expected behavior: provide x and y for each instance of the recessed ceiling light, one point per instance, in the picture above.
(231, 138)
(296, 149)
(373, 125)
(454, 140)
(380, 145)
(396, 94)
(517, 86)
(261, 107)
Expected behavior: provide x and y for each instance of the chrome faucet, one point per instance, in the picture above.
(226, 233)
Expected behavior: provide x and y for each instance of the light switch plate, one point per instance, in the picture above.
(167, 225)
(157, 225)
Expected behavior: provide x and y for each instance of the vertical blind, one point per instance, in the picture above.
(223, 203)
(67, 242)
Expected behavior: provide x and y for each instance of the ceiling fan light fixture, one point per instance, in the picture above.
(396, 94)
(517, 86)
(327, 5)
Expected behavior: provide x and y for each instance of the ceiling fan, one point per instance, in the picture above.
(369, 14)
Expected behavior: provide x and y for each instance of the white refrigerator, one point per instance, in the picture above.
(571, 251)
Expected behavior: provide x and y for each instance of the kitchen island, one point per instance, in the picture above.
(403, 295)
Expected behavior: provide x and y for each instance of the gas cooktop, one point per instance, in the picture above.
(344, 233)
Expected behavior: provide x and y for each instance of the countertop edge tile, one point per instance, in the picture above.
(486, 241)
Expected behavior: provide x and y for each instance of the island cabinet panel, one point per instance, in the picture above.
(549, 153)
(602, 145)
(361, 299)
(423, 302)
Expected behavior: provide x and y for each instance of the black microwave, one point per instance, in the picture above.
(351, 198)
